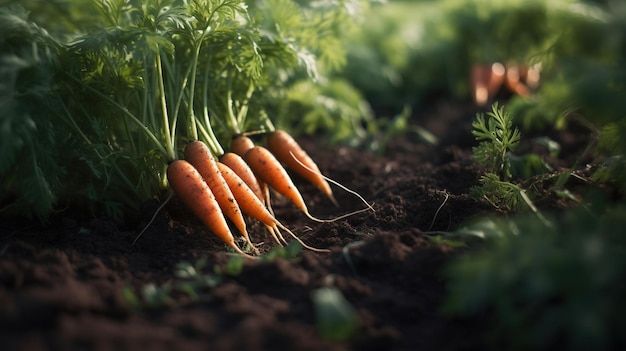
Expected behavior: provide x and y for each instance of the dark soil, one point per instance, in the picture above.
(62, 285)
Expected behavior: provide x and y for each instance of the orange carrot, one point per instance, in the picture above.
(194, 192)
(513, 82)
(199, 155)
(252, 206)
(530, 75)
(289, 152)
(269, 170)
(496, 79)
(479, 81)
(240, 144)
(241, 168)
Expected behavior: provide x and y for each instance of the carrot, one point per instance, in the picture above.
(252, 206)
(240, 144)
(268, 169)
(479, 80)
(241, 168)
(530, 75)
(199, 155)
(513, 82)
(289, 152)
(194, 192)
(496, 79)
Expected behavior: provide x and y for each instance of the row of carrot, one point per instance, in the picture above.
(487, 80)
(238, 182)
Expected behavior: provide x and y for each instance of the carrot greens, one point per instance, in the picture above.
(111, 90)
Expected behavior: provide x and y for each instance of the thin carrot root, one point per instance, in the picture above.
(268, 202)
(169, 197)
(239, 251)
(343, 187)
(251, 244)
(273, 232)
(300, 240)
(280, 235)
(331, 220)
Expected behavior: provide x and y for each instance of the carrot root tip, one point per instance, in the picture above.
(272, 231)
(300, 240)
(239, 251)
(320, 220)
(169, 197)
(343, 187)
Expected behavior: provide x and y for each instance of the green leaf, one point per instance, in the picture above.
(154, 296)
(335, 318)
(497, 138)
(234, 266)
(130, 297)
(484, 228)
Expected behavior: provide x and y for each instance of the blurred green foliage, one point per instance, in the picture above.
(541, 288)
(411, 51)
(414, 52)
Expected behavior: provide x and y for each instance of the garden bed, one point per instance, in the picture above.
(68, 284)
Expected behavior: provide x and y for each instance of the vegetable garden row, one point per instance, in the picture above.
(357, 173)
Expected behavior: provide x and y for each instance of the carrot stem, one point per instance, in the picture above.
(169, 139)
(132, 117)
(192, 86)
(243, 110)
(207, 131)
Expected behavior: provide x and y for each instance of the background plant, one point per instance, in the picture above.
(497, 138)
(545, 287)
(33, 139)
(413, 51)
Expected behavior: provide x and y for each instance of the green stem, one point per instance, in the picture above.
(527, 200)
(267, 121)
(208, 132)
(192, 86)
(179, 99)
(128, 114)
(243, 110)
(229, 108)
(70, 120)
(210, 139)
(169, 139)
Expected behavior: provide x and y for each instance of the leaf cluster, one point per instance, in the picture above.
(335, 318)
(613, 144)
(195, 278)
(115, 88)
(33, 140)
(500, 194)
(497, 140)
(543, 287)
(497, 137)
